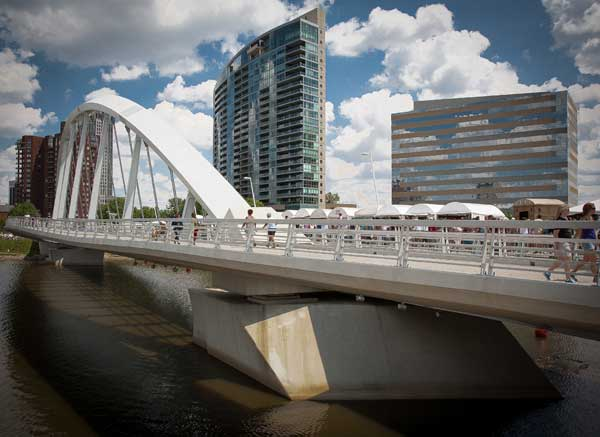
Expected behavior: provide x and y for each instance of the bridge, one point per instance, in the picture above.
(423, 318)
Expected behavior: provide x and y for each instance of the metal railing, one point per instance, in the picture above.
(486, 243)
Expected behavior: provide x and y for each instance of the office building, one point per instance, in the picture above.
(491, 149)
(12, 192)
(269, 115)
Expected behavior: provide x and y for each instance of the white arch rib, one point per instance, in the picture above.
(203, 181)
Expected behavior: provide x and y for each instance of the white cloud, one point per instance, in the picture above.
(129, 33)
(583, 94)
(387, 29)
(576, 27)
(424, 54)
(16, 119)
(100, 92)
(196, 127)
(8, 160)
(329, 113)
(201, 95)
(366, 128)
(123, 72)
(185, 66)
(18, 80)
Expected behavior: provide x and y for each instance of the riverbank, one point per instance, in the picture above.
(15, 247)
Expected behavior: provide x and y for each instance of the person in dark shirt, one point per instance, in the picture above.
(562, 249)
(177, 227)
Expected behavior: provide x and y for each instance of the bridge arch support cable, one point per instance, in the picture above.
(156, 209)
(116, 142)
(137, 183)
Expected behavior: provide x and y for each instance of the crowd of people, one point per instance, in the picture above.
(564, 250)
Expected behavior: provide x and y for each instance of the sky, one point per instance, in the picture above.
(381, 56)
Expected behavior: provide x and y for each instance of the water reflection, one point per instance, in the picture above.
(109, 352)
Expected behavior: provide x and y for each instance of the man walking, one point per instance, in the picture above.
(249, 226)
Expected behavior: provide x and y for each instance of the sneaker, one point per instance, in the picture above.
(570, 281)
(573, 277)
(547, 275)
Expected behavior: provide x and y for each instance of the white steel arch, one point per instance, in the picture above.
(204, 183)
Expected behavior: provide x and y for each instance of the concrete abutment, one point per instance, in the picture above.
(338, 349)
(71, 256)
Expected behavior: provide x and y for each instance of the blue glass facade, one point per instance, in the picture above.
(494, 149)
(269, 114)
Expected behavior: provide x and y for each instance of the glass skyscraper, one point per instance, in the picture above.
(492, 149)
(269, 115)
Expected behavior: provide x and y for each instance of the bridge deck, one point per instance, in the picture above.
(502, 278)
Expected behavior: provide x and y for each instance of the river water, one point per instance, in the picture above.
(108, 352)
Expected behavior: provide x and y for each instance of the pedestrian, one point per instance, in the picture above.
(562, 249)
(271, 229)
(249, 226)
(589, 248)
(195, 230)
(177, 226)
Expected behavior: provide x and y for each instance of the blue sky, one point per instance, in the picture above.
(381, 56)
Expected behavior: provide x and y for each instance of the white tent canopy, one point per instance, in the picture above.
(423, 209)
(320, 213)
(472, 209)
(346, 213)
(289, 213)
(367, 212)
(392, 210)
(304, 213)
(578, 209)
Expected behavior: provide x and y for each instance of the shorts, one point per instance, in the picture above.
(271, 233)
(588, 247)
(562, 250)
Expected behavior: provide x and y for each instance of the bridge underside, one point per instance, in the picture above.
(332, 348)
(541, 304)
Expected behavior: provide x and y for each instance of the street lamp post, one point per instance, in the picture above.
(370, 155)
(248, 178)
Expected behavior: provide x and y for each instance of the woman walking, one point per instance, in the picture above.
(562, 249)
(589, 249)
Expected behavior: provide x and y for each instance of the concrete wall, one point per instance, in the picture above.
(340, 349)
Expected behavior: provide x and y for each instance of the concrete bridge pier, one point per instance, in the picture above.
(333, 348)
(71, 256)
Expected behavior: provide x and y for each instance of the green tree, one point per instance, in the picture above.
(116, 205)
(332, 198)
(24, 208)
(149, 212)
(200, 210)
(174, 208)
(251, 202)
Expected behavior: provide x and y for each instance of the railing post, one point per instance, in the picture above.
(444, 239)
(339, 246)
(290, 241)
(403, 249)
(484, 251)
(487, 256)
(217, 239)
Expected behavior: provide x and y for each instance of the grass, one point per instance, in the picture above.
(20, 246)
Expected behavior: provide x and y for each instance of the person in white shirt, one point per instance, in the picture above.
(271, 229)
(249, 226)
